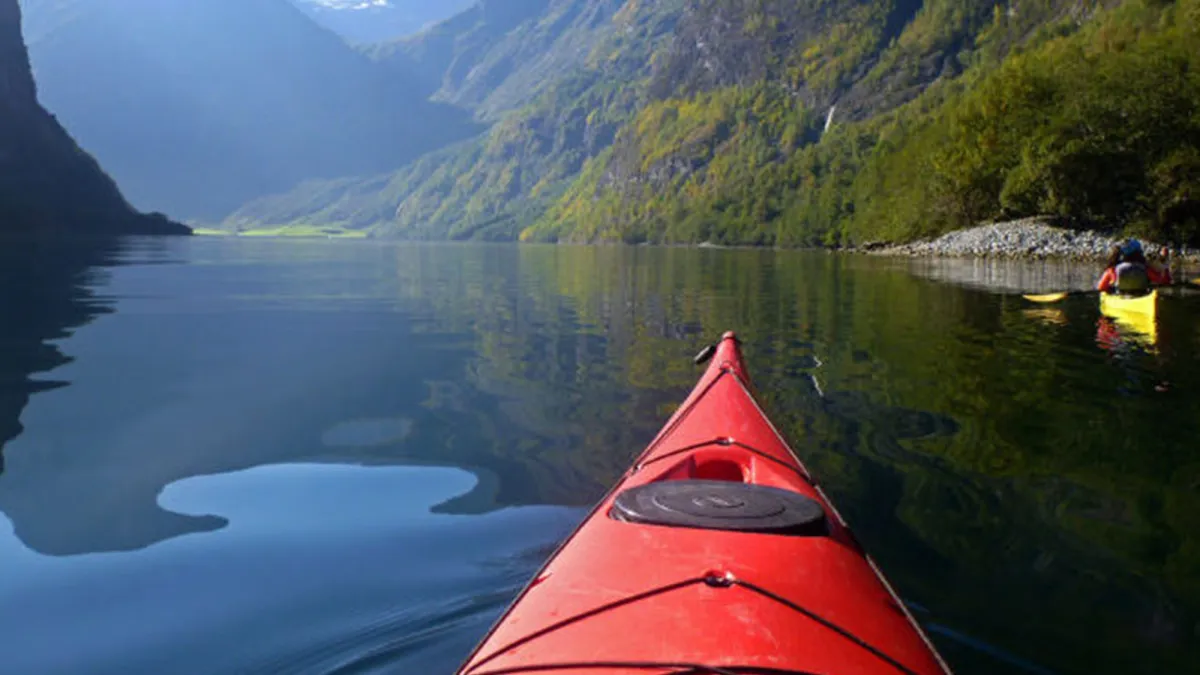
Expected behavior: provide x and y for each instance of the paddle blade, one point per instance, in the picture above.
(1051, 297)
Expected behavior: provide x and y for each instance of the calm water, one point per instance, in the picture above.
(347, 457)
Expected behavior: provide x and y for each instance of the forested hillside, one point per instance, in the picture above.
(841, 122)
(1094, 121)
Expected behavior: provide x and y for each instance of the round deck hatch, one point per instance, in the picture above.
(721, 505)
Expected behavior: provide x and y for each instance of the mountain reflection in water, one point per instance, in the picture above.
(1034, 493)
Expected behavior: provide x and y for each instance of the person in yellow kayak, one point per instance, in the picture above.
(1128, 271)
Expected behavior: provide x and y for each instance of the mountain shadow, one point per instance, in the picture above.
(48, 186)
(198, 107)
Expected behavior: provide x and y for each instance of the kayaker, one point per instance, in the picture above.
(1162, 263)
(1128, 272)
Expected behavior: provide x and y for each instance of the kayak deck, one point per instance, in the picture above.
(715, 553)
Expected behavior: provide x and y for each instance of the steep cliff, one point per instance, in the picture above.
(47, 184)
(59, 214)
(197, 107)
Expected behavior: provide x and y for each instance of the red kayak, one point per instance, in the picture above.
(716, 553)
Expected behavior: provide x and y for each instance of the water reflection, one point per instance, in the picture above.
(1118, 335)
(321, 569)
(980, 450)
(1053, 316)
(970, 443)
(1012, 276)
(47, 293)
(238, 391)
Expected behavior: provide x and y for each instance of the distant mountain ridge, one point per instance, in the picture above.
(367, 21)
(48, 186)
(197, 107)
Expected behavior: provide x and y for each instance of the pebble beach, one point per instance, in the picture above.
(1032, 238)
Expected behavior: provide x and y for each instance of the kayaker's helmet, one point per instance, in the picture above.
(1131, 247)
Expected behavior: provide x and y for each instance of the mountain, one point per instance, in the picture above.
(499, 54)
(487, 186)
(366, 21)
(197, 107)
(47, 184)
(771, 122)
(1079, 110)
(59, 216)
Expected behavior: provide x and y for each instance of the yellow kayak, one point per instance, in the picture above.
(1137, 314)
(1123, 304)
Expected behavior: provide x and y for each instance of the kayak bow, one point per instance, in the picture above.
(715, 553)
(1063, 295)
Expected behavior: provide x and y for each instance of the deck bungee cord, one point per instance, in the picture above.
(714, 581)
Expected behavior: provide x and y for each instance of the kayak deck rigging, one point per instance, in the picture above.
(711, 580)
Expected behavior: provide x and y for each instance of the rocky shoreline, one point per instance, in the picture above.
(1030, 239)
